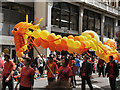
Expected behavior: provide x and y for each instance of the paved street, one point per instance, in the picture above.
(99, 83)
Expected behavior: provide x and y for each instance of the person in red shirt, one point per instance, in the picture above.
(54, 58)
(73, 67)
(53, 67)
(9, 68)
(65, 72)
(112, 72)
(86, 72)
(101, 65)
(27, 75)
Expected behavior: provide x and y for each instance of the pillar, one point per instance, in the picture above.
(40, 11)
(102, 26)
(115, 25)
(81, 11)
(49, 10)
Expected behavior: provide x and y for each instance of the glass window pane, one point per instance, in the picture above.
(55, 17)
(65, 7)
(90, 23)
(56, 5)
(64, 20)
(105, 30)
(65, 16)
(97, 25)
(84, 23)
(73, 22)
(74, 17)
(74, 9)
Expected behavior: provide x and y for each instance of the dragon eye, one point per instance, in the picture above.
(31, 30)
(15, 29)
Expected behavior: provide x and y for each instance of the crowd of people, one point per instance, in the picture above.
(61, 71)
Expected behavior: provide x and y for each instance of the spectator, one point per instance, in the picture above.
(9, 68)
(112, 72)
(39, 64)
(101, 65)
(53, 67)
(77, 61)
(86, 72)
(58, 58)
(64, 72)
(27, 76)
(72, 65)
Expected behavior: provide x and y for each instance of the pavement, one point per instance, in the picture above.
(99, 83)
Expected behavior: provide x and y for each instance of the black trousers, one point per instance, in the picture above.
(112, 83)
(73, 81)
(9, 83)
(25, 88)
(86, 78)
(50, 80)
(101, 69)
(40, 70)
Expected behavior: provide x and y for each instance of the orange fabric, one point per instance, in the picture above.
(53, 67)
(8, 67)
(26, 77)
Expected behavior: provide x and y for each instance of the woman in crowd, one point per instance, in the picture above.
(27, 76)
(72, 65)
(53, 67)
(65, 72)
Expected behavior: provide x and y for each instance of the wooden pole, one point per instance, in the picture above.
(44, 61)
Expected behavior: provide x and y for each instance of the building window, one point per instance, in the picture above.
(109, 27)
(92, 21)
(65, 16)
(13, 14)
(98, 23)
(107, 31)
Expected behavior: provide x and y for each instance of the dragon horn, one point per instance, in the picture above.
(31, 22)
(27, 18)
(39, 21)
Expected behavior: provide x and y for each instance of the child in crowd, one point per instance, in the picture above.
(37, 74)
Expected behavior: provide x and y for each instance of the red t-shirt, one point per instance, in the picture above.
(53, 67)
(70, 64)
(26, 77)
(101, 62)
(8, 67)
(111, 72)
(64, 73)
(83, 73)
